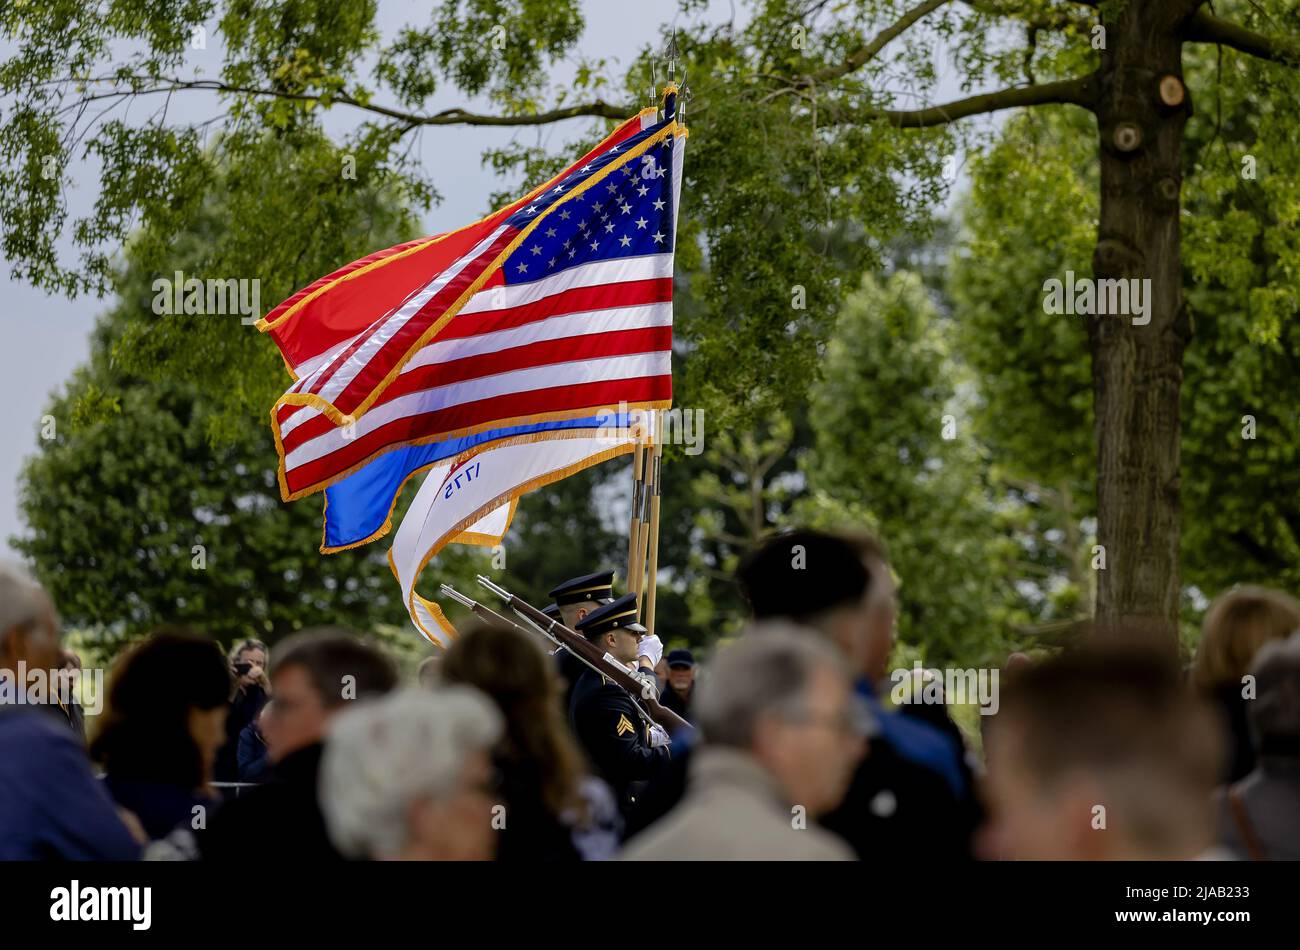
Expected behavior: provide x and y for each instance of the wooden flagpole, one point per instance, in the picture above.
(634, 529)
(652, 580)
(643, 535)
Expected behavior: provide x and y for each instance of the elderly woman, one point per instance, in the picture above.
(1237, 624)
(409, 777)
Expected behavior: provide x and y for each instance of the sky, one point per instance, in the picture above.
(48, 335)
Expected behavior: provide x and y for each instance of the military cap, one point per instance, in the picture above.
(620, 615)
(552, 611)
(598, 587)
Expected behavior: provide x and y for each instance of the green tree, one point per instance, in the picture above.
(1240, 517)
(894, 449)
(136, 515)
(135, 519)
(800, 128)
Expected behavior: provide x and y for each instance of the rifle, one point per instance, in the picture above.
(588, 653)
(606, 665)
(489, 615)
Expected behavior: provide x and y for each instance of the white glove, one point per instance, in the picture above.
(652, 647)
(658, 736)
(649, 684)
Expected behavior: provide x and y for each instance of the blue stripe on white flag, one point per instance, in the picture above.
(357, 507)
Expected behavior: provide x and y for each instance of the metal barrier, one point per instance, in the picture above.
(232, 789)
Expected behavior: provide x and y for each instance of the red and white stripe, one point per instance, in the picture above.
(361, 320)
(590, 336)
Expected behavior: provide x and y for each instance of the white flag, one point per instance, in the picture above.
(473, 500)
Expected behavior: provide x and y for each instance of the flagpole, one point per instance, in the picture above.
(643, 534)
(634, 527)
(653, 579)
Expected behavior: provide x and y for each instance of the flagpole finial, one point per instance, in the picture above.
(675, 94)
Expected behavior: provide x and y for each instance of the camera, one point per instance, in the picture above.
(241, 669)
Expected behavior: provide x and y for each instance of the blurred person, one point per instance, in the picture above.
(159, 735)
(70, 670)
(661, 673)
(51, 806)
(409, 777)
(1259, 816)
(427, 674)
(254, 760)
(842, 587)
(316, 674)
(252, 689)
(1236, 625)
(679, 692)
(780, 734)
(926, 700)
(554, 810)
(1101, 754)
(910, 791)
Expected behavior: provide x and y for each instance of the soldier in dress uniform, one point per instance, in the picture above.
(575, 599)
(606, 721)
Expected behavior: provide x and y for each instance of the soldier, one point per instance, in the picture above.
(580, 596)
(604, 717)
(575, 599)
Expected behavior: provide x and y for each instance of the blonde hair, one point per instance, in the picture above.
(1237, 624)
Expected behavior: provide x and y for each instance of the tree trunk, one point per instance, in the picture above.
(1137, 369)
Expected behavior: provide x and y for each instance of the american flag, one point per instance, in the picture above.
(553, 307)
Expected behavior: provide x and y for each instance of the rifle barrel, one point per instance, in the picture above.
(590, 654)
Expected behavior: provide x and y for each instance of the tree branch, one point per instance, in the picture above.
(1205, 27)
(1056, 20)
(864, 53)
(599, 108)
(1079, 92)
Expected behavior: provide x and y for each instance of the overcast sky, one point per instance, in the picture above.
(47, 335)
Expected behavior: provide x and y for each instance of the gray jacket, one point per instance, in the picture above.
(732, 811)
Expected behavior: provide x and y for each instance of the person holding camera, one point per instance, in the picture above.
(248, 665)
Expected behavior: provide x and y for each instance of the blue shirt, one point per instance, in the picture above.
(917, 741)
(51, 806)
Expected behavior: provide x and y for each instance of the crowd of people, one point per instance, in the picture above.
(783, 747)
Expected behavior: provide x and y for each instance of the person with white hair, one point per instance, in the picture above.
(410, 777)
(781, 734)
(51, 807)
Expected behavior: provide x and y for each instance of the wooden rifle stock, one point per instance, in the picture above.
(589, 653)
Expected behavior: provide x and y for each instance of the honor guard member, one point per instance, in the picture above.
(575, 599)
(605, 719)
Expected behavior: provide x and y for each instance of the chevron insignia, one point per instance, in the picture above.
(624, 725)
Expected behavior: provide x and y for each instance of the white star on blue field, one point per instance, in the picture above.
(626, 214)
